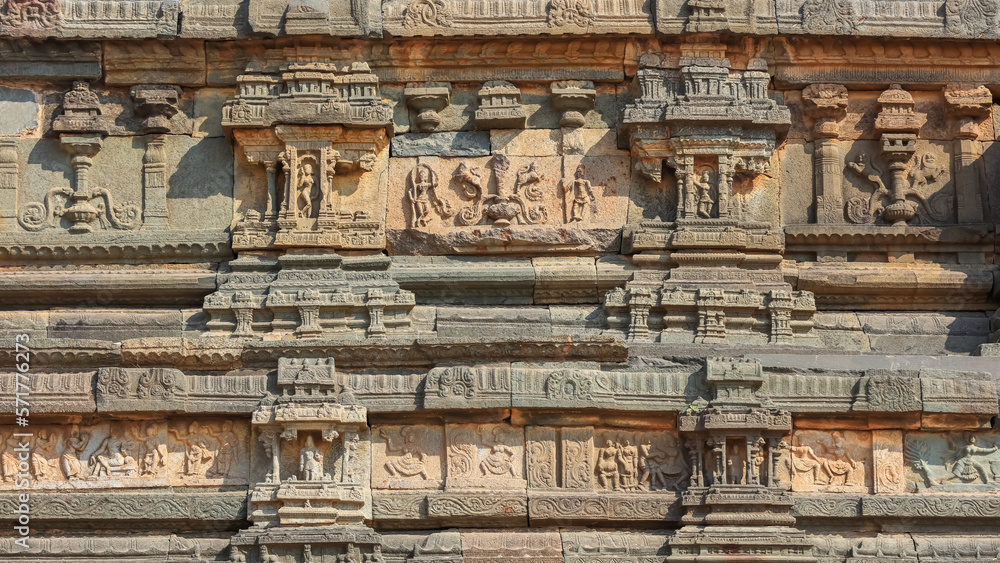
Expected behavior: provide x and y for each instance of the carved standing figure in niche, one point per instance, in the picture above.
(581, 197)
(226, 455)
(43, 455)
(199, 449)
(607, 466)
(308, 200)
(421, 191)
(154, 451)
(71, 461)
(963, 464)
(703, 192)
(311, 462)
(412, 461)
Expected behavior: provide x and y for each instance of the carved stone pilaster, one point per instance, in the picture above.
(156, 105)
(9, 181)
(967, 105)
(826, 104)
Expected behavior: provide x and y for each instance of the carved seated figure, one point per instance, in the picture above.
(113, 458)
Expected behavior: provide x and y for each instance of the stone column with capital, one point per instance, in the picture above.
(826, 104)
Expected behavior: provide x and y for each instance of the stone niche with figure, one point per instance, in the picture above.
(312, 131)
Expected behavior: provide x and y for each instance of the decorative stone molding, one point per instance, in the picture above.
(427, 100)
(574, 99)
(500, 106)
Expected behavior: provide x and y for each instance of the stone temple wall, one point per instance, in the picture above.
(489, 281)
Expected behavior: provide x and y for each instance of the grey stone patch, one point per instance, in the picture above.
(455, 143)
(113, 325)
(512, 240)
(497, 322)
(19, 111)
(215, 19)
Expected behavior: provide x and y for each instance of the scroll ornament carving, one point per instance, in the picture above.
(30, 17)
(571, 12)
(829, 15)
(970, 17)
(430, 13)
(926, 177)
(453, 382)
(892, 394)
(569, 385)
(514, 201)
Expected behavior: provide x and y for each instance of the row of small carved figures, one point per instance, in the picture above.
(207, 452)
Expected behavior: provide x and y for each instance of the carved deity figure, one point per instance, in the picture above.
(500, 461)
(43, 455)
(581, 198)
(607, 466)
(703, 192)
(628, 465)
(421, 192)
(226, 456)
(71, 461)
(412, 461)
(840, 467)
(113, 457)
(154, 452)
(802, 460)
(199, 449)
(661, 465)
(8, 459)
(311, 462)
(309, 197)
(963, 464)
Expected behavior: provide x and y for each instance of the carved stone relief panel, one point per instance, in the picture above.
(702, 16)
(409, 18)
(90, 19)
(576, 473)
(508, 202)
(343, 18)
(210, 452)
(868, 185)
(484, 456)
(952, 462)
(408, 457)
(832, 462)
(897, 18)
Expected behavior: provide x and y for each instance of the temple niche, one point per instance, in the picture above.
(499, 281)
